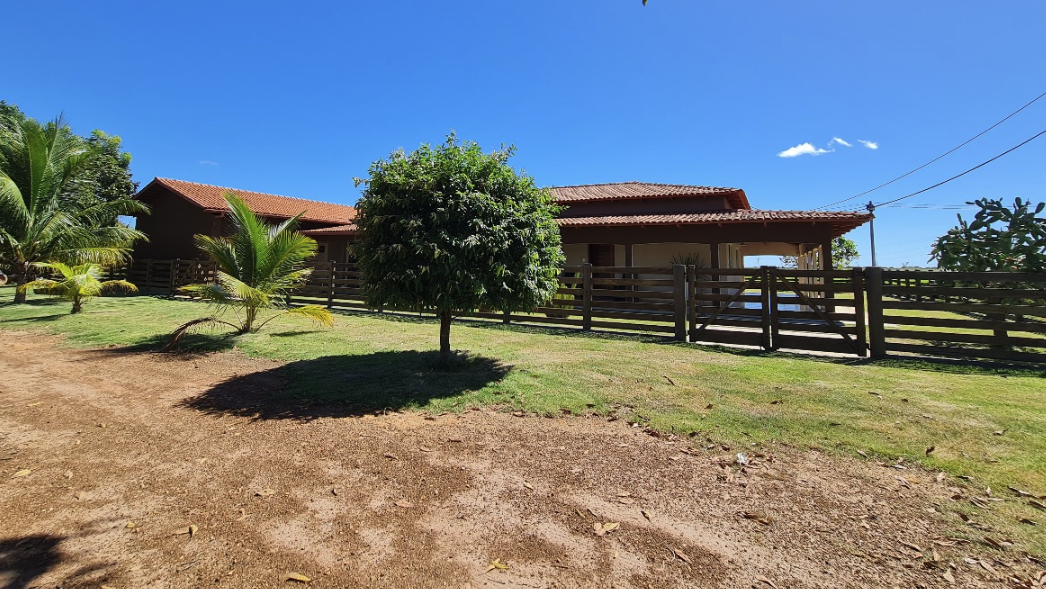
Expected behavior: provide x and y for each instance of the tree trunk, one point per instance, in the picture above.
(78, 305)
(444, 338)
(23, 277)
(249, 318)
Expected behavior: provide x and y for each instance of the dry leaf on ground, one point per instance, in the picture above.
(496, 564)
(300, 578)
(22, 473)
(682, 556)
(404, 504)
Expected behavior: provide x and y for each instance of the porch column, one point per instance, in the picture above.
(826, 254)
(628, 255)
(713, 249)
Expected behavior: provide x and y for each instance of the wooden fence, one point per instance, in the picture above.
(853, 312)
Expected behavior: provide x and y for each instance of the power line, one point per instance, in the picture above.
(980, 165)
(949, 152)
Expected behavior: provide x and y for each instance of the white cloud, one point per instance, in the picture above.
(868, 144)
(840, 141)
(208, 163)
(803, 149)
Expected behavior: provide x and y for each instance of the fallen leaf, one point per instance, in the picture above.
(300, 578)
(131, 525)
(68, 474)
(1019, 492)
(940, 477)
(930, 450)
(404, 504)
(988, 567)
(646, 514)
(903, 481)
(948, 576)
(496, 564)
(863, 453)
(1029, 522)
(22, 473)
(683, 557)
(624, 494)
(762, 579)
(709, 406)
(625, 501)
(424, 449)
(999, 432)
(993, 542)
(35, 404)
(529, 486)
(265, 493)
(909, 545)
(78, 495)
(391, 456)
(598, 527)
(1036, 504)
(758, 517)
(611, 526)
(935, 555)
(334, 492)
(190, 530)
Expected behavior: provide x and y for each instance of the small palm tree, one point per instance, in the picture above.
(258, 266)
(78, 284)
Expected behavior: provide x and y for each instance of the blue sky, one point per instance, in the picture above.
(298, 98)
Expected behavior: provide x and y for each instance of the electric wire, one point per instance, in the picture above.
(960, 175)
(947, 153)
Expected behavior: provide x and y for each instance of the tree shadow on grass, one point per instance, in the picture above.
(348, 386)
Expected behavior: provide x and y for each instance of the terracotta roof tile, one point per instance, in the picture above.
(841, 221)
(349, 229)
(641, 190)
(210, 198)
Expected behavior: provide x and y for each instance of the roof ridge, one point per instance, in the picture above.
(636, 182)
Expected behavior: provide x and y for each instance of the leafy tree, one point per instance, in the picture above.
(1000, 239)
(79, 283)
(107, 175)
(844, 251)
(258, 266)
(38, 164)
(450, 229)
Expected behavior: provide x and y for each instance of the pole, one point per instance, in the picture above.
(871, 229)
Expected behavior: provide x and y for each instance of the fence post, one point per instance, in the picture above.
(174, 275)
(332, 265)
(876, 323)
(764, 302)
(148, 275)
(586, 297)
(679, 290)
(775, 316)
(506, 317)
(691, 300)
(860, 326)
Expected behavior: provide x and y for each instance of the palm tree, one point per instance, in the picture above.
(78, 283)
(38, 222)
(258, 266)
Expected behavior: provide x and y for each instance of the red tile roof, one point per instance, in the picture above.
(349, 229)
(841, 222)
(641, 190)
(210, 198)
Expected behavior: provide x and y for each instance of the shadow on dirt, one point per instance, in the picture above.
(24, 560)
(348, 386)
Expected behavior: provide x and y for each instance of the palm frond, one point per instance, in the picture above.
(192, 327)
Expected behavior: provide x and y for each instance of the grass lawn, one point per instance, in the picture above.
(982, 422)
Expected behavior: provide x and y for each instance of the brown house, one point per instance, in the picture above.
(180, 210)
(644, 224)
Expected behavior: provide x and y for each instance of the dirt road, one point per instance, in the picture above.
(124, 460)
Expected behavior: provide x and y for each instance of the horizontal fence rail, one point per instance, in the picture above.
(859, 311)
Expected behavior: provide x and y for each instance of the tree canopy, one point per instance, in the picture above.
(1000, 238)
(39, 222)
(452, 229)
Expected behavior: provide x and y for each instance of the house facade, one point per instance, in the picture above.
(179, 210)
(632, 224)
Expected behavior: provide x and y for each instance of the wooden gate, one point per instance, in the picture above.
(775, 308)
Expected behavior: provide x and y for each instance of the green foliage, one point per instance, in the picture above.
(39, 165)
(259, 265)
(1000, 239)
(451, 229)
(79, 283)
(107, 175)
(844, 252)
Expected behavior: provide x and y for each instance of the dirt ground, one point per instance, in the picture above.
(123, 460)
